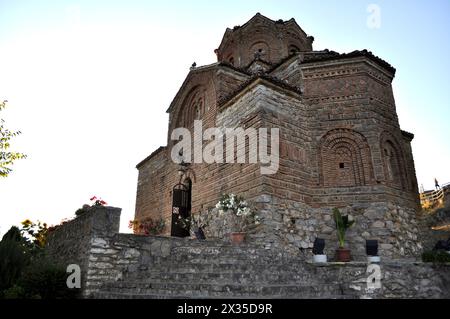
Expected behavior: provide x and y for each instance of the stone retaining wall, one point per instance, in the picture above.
(109, 259)
(72, 242)
(297, 225)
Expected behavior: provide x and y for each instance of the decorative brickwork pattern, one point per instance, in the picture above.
(340, 140)
(345, 159)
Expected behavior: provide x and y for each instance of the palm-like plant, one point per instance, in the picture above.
(342, 224)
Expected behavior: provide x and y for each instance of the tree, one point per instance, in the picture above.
(25, 269)
(7, 158)
(14, 257)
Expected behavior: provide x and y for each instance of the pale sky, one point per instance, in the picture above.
(88, 84)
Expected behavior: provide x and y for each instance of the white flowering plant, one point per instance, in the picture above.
(243, 215)
(199, 220)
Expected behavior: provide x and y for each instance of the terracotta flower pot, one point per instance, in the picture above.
(343, 255)
(237, 238)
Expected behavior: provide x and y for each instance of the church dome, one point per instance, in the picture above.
(264, 39)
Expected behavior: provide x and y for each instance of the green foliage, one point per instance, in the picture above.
(36, 233)
(147, 226)
(342, 224)
(98, 201)
(195, 221)
(24, 271)
(244, 216)
(13, 234)
(15, 292)
(15, 255)
(95, 202)
(42, 280)
(80, 211)
(436, 256)
(7, 158)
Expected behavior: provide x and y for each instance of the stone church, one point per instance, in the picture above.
(340, 143)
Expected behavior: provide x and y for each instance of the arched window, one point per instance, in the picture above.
(187, 118)
(261, 50)
(197, 106)
(394, 167)
(293, 49)
(345, 159)
(192, 108)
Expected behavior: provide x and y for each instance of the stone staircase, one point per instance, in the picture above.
(221, 270)
(116, 265)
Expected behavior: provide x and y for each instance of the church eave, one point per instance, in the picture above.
(259, 78)
(354, 54)
(408, 135)
(288, 59)
(153, 154)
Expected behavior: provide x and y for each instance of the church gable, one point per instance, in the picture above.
(195, 97)
(290, 70)
(198, 96)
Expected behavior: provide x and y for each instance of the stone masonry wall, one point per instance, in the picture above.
(294, 226)
(118, 262)
(72, 242)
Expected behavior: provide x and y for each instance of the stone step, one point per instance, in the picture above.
(238, 277)
(225, 290)
(119, 295)
(224, 271)
(243, 266)
(222, 245)
(214, 248)
(223, 257)
(232, 258)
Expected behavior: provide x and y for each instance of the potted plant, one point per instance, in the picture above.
(195, 223)
(372, 252)
(318, 248)
(241, 216)
(342, 224)
(147, 226)
(95, 202)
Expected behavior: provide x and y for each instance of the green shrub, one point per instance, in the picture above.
(25, 273)
(15, 292)
(436, 256)
(45, 280)
(14, 257)
(343, 223)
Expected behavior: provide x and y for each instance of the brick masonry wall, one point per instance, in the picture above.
(272, 41)
(357, 95)
(340, 142)
(308, 173)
